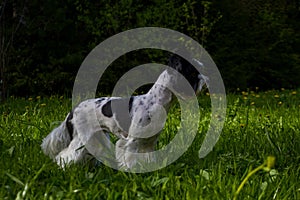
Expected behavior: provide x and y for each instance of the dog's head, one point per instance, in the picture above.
(189, 71)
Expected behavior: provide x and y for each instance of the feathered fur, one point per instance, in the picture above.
(95, 118)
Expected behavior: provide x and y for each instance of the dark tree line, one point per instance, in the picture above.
(42, 43)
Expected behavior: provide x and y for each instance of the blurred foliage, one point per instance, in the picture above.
(253, 42)
(257, 43)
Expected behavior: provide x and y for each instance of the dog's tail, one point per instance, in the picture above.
(59, 138)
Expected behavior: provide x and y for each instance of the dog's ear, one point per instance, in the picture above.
(175, 62)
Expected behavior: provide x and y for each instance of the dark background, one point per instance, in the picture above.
(255, 43)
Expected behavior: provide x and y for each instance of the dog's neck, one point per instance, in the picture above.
(160, 93)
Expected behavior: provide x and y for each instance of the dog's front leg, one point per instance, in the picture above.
(137, 150)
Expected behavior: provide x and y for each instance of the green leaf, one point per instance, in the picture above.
(15, 179)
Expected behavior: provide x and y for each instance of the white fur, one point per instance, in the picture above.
(88, 121)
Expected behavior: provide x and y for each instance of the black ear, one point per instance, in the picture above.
(175, 62)
(188, 70)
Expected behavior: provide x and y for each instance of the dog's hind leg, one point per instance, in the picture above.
(74, 153)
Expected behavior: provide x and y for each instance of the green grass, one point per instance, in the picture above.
(258, 124)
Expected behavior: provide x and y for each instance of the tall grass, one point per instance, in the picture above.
(258, 124)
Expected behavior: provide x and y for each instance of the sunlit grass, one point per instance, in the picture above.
(258, 125)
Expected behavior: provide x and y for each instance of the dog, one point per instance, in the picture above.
(129, 119)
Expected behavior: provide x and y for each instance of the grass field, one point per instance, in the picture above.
(258, 124)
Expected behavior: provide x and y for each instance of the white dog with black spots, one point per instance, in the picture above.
(126, 118)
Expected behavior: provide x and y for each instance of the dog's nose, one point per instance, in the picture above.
(203, 80)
